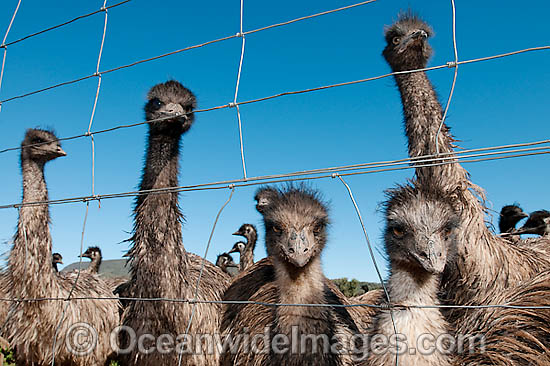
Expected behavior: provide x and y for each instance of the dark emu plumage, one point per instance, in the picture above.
(160, 267)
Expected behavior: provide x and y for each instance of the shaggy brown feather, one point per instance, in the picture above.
(510, 337)
(159, 265)
(31, 326)
(485, 263)
(281, 278)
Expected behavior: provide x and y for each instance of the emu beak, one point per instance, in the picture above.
(232, 264)
(430, 256)
(173, 109)
(60, 151)
(233, 250)
(237, 233)
(410, 38)
(299, 248)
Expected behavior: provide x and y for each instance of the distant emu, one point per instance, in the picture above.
(160, 267)
(225, 261)
(31, 326)
(56, 259)
(485, 263)
(247, 253)
(538, 223)
(510, 215)
(295, 223)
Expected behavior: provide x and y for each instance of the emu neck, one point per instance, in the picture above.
(158, 257)
(413, 288)
(31, 257)
(423, 114)
(299, 286)
(94, 265)
(247, 257)
(410, 288)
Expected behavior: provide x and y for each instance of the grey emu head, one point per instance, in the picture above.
(407, 45)
(238, 247)
(92, 253)
(41, 146)
(170, 99)
(510, 215)
(225, 260)
(420, 234)
(295, 222)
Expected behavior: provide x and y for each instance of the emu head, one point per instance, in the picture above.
(407, 45)
(295, 222)
(238, 247)
(510, 215)
(420, 234)
(92, 253)
(224, 261)
(537, 223)
(246, 230)
(41, 146)
(57, 259)
(170, 99)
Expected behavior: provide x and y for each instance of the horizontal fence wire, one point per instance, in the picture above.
(464, 156)
(269, 304)
(239, 34)
(262, 99)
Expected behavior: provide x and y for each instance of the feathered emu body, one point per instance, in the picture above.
(295, 233)
(420, 236)
(484, 263)
(31, 326)
(159, 265)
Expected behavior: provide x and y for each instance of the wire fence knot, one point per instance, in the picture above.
(452, 64)
(232, 105)
(3, 45)
(239, 34)
(103, 8)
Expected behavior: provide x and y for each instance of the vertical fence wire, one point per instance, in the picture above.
(235, 104)
(3, 45)
(369, 246)
(449, 64)
(194, 301)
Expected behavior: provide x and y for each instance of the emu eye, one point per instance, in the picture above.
(37, 140)
(447, 232)
(398, 232)
(396, 40)
(156, 103)
(317, 229)
(276, 229)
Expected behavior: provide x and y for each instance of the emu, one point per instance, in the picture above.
(225, 261)
(56, 259)
(484, 263)
(510, 215)
(160, 267)
(295, 223)
(31, 326)
(538, 223)
(420, 236)
(247, 252)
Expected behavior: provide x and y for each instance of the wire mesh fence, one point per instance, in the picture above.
(518, 150)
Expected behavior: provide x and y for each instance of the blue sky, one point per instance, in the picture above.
(495, 103)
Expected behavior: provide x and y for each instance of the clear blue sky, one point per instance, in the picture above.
(499, 102)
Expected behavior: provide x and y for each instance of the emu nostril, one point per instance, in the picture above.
(305, 250)
(291, 250)
(424, 254)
